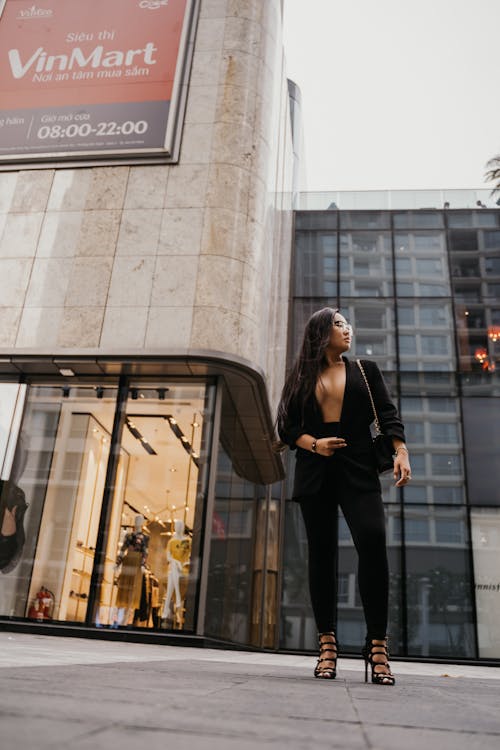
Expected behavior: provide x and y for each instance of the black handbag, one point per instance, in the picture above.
(383, 448)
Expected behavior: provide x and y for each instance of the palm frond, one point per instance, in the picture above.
(493, 173)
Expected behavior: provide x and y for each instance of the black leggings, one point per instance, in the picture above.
(364, 514)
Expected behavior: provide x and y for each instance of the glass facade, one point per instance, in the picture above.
(422, 290)
(104, 490)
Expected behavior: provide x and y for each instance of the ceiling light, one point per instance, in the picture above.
(67, 372)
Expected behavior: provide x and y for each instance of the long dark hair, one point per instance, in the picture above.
(300, 382)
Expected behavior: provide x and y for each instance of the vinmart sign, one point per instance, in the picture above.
(90, 78)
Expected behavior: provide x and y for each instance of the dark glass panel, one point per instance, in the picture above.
(438, 582)
(322, 220)
(373, 323)
(463, 240)
(315, 264)
(367, 264)
(482, 440)
(365, 220)
(418, 220)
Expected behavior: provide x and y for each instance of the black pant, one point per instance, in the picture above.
(364, 514)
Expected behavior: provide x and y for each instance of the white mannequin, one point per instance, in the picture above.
(178, 552)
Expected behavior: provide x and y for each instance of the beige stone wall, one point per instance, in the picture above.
(188, 256)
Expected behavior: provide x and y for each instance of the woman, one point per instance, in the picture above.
(325, 413)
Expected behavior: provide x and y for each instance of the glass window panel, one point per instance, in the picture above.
(406, 315)
(485, 530)
(365, 220)
(417, 530)
(446, 464)
(373, 323)
(444, 432)
(407, 344)
(431, 347)
(403, 266)
(435, 344)
(418, 219)
(448, 494)
(491, 240)
(415, 494)
(369, 273)
(414, 432)
(465, 266)
(492, 266)
(463, 240)
(58, 473)
(450, 531)
(315, 264)
(440, 612)
(429, 266)
(421, 256)
(481, 441)
(322, 220)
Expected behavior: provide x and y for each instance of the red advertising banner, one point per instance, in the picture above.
(96, 77)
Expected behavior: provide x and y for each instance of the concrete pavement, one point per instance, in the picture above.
(81, 694)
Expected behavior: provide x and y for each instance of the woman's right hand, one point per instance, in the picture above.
(328, 445)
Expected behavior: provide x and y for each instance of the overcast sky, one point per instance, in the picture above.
(396, 94)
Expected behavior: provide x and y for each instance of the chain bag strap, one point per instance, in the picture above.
(378, 431)
(382, 444)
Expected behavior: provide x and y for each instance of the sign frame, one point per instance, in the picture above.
(168, 152)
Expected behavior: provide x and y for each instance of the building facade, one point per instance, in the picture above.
(143, 308)
(421, 288)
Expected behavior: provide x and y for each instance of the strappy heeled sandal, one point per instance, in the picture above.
(381, 671)
(327, 647)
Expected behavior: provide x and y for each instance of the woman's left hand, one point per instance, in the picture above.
(402, 469)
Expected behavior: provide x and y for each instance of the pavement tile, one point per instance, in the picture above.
(395, 738)
(58, 693)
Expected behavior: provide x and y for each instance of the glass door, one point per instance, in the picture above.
(54, 495)
(151, 568)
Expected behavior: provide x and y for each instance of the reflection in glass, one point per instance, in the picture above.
(426, 335)
(367, 264)
(433, 431)
(421, 264)
(485, 529)
(150, 573)
(482, 437)
(374, 336)
(60, 466)
(235, 571)
(316, 264)
(440, 612)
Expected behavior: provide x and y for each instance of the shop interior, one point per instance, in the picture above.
(149, 540)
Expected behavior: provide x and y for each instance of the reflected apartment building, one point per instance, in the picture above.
(422, 290)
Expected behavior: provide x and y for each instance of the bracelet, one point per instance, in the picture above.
(313, 446)
(401, 448)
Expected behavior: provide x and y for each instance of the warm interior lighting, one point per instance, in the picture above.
(481, 355)
(494, 333)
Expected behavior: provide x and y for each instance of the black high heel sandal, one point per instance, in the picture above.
(381, 671)
(327, 646)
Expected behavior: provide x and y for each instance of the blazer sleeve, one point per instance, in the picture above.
(292, 428)
(388, 416)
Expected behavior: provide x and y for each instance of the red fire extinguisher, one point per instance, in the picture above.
(42, 606)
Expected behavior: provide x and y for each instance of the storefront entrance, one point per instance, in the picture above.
(103, 501)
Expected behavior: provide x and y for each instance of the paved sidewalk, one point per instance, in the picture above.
(83, 694)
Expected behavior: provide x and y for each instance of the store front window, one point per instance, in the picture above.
(106, 494)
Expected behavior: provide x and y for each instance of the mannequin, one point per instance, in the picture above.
(178, 555)
(130, 565)
(13, 506)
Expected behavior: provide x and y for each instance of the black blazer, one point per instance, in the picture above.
(356, 460)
